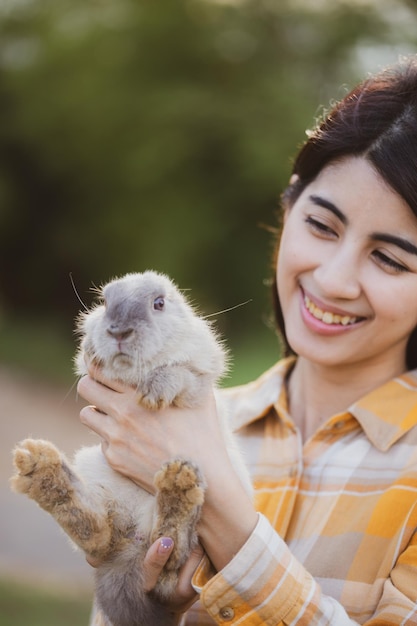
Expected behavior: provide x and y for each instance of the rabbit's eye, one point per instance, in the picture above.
(159, 303)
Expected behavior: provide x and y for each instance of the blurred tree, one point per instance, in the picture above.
(159, 134)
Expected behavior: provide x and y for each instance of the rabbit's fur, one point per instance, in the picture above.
(145, 334)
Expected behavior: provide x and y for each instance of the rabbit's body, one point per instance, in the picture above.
(145, 334)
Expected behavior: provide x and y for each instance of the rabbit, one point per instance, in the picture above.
(145, 334)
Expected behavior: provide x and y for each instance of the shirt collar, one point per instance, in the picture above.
(385, 414)
(252, 401)
(388, 412)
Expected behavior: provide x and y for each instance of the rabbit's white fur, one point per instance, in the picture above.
(145, 334)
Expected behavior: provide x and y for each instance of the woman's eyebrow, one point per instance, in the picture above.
(326, 204)
(402, 243)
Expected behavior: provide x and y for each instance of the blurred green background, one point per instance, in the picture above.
(159, 134)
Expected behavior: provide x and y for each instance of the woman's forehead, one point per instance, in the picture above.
(351, 192)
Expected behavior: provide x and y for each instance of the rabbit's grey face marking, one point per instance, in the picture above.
(143, 320)
(128, 315)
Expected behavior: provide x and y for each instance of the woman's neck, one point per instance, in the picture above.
(316, 392)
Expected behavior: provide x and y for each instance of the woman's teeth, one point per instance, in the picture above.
(326, 316)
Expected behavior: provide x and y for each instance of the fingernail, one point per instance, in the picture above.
(165, 544)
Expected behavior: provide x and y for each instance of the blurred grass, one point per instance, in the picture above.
(45, 350)
(40, 347)
(22, 605)
(251, 356)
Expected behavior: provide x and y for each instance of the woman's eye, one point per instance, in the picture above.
(159, 303)
(319, 227)
(389, 263)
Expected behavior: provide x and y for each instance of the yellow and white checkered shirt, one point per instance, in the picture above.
(336, 541)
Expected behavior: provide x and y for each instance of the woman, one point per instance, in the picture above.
(330, 433)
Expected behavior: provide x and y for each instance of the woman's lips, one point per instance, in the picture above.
(328, 317)
(324, 321)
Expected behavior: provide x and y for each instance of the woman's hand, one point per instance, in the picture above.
(156, 557)
(137, 442)
(155, 560)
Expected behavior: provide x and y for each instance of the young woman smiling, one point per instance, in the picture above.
(330, 432)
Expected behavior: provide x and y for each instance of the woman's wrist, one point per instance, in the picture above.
(228, 519)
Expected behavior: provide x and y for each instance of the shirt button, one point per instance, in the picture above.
(227, 613)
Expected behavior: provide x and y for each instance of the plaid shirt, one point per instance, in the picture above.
(336, 541)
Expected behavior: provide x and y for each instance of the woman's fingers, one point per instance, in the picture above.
(185, 590)
(97, 393)
(93, 561)
(155, 560)
(156, 557)
(100, 424)
(95, 420)
(105, 405)
(96, 373)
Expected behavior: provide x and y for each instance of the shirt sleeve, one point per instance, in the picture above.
(265, 585)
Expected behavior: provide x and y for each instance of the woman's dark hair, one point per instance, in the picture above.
(377, 120)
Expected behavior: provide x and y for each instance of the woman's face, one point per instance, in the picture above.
(347, 270)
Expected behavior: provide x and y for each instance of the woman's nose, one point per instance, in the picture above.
(338, 275)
